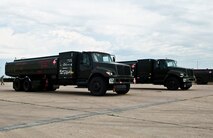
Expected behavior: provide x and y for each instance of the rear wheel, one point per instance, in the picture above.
(98, 86)
(17, 84)
(27, 86)
(172, 83)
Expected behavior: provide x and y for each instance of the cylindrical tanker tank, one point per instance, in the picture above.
(32, 66)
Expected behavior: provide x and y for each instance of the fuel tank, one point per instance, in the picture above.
(32, 66)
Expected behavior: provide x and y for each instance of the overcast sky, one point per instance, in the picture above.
(130, 29)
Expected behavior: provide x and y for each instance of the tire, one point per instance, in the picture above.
(172, 83)
(122, 92)
(27, 86)
(98, 86)
(17, 84)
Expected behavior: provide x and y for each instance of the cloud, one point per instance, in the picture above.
(27, 45)
(131, 29)
(78, 41)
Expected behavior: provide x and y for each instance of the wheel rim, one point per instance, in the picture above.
(17, 85)
(173, 84)
(96, 86)
(26, 85)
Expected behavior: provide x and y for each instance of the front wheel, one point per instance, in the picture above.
(124, 91)
(172, 83)
(98, 86)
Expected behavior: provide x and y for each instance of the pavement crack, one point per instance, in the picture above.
(86, 114)
(39, 105)
(161, 122)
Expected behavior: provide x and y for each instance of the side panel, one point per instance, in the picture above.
(144, 71)
(67, 67)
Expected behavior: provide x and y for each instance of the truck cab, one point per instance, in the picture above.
(160, 69)
(163, 72)
(96, 70)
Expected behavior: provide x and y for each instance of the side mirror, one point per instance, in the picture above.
(158, 64)
(113, 59)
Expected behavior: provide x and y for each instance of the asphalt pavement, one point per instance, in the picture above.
(146, 111)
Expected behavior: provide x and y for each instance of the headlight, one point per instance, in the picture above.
(109, 73)
(111, 80)
(182, 74)
(184, 80)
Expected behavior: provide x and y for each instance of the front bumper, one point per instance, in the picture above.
(120, 79)
(187, 82)
(188, 79)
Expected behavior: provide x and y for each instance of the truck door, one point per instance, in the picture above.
(85, 67)
(159, 72)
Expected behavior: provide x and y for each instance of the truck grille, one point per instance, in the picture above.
(123, 70)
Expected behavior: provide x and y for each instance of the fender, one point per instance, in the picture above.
(173, 73)
(99, 72)
(27, 78)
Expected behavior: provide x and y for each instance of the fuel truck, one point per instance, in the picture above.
(161, 72)
(96, 71)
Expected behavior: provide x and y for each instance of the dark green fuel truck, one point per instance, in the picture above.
(96, 71)
(161, 72)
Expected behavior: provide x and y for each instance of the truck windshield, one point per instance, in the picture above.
(102, 57)
(171, 63)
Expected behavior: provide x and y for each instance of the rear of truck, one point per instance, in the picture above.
(34, 73)
(203, 76)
